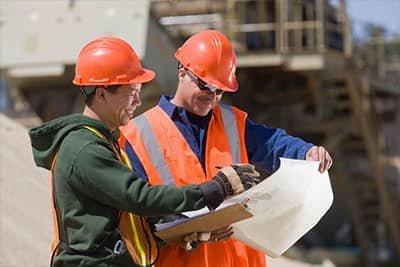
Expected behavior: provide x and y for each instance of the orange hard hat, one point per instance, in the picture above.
(211, 57)
(109, 61)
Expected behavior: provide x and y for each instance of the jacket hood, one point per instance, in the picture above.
(47, 138)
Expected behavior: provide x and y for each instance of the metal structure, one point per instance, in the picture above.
(297, 70)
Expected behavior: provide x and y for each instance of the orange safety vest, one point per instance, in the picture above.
(168, 159)
(135, 231)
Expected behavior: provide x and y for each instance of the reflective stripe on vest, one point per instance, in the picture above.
(151, 145)
(134, 229)
(145, 137)
(230, 126)
(155, 161)
(226, 123)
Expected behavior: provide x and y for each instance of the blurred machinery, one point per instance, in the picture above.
(40, 41)
(298, 69)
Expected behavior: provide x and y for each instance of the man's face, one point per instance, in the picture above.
(122, 103)
(195, 100)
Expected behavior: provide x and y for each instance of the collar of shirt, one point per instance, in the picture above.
(166, 105)
(192, 127)
(179, 113)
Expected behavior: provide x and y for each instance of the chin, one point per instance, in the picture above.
(202, 112)
(124, 121)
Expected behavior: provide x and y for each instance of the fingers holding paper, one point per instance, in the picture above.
(236, 178)
(248, 174)
(319, 153)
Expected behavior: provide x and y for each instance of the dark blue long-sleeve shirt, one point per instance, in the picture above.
(264, 145)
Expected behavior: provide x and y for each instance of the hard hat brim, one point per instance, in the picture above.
(147, 76)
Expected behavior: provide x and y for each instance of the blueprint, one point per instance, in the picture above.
(285, 206)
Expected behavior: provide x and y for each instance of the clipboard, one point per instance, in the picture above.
(208, 222)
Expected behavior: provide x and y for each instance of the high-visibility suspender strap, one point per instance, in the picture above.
(134, 229)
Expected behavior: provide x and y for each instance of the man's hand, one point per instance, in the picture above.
(319, 153)
(237, 178)
(221, 234)
(193, 240)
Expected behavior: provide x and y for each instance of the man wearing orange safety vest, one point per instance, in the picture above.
(99, 204)
(186, 137)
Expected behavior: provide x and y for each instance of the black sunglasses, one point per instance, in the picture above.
(203, 85)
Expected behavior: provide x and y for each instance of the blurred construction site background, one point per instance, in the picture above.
(323, 70)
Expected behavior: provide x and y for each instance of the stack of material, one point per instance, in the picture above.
(25, 220)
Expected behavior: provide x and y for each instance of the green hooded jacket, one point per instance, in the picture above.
(91, 185)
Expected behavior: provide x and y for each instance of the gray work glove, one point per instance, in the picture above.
(237, 178)
(229, 181)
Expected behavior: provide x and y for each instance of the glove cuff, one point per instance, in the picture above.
(223, 181)
(213, 193)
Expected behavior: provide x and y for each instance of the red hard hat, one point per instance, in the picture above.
(210, 55)
(109, 61)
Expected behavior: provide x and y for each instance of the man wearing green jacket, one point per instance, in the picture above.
(94, 190)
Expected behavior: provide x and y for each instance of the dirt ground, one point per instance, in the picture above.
(25, 224)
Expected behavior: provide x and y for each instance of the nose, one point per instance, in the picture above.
(212, 94)
(137, 102)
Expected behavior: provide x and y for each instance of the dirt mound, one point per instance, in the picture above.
(25, 220)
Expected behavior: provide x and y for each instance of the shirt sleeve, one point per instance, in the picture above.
(99, 175)
(266, 145)
(135, 162)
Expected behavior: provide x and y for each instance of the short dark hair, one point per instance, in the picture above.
(180, 66)
(89, 92)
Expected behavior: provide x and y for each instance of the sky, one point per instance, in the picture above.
(382, 12)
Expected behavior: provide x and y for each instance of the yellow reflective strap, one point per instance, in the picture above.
(142, 253)
(97, 132)
(125, 159)
(132, 217)
(54, 215)
(139, 253)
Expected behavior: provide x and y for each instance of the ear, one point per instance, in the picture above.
(181, 74)
(101, 94)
